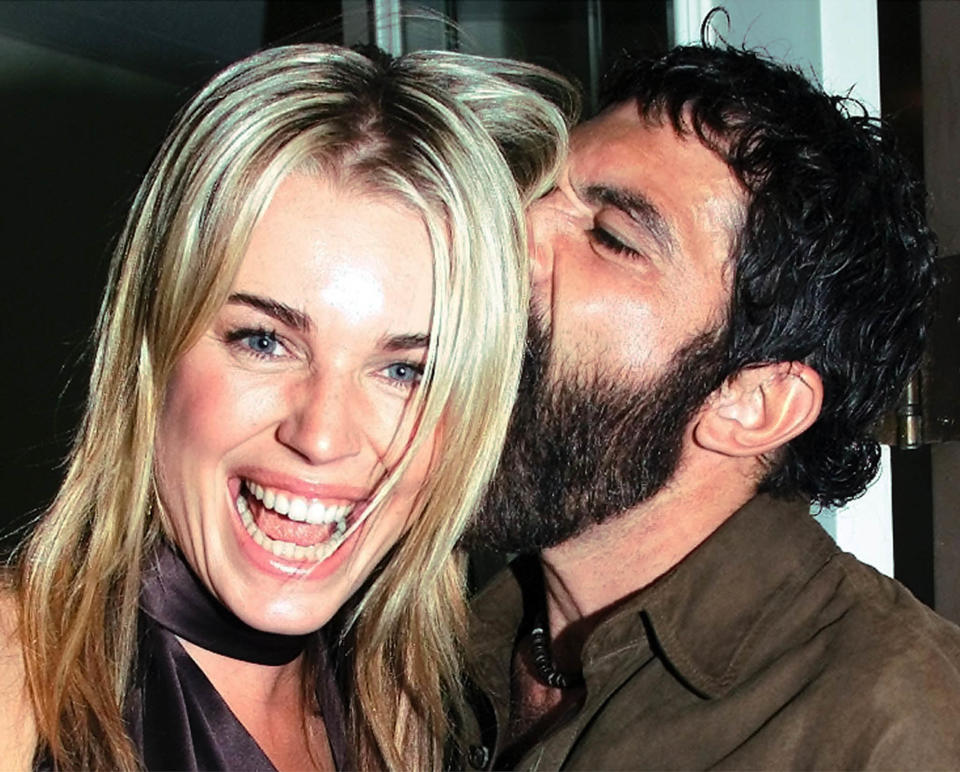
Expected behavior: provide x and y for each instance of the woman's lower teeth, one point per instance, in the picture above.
(288, 550)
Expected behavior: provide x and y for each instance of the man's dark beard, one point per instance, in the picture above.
(581, 451)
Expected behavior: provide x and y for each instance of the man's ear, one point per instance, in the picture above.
(760, 409)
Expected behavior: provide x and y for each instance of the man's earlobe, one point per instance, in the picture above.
(760, 409)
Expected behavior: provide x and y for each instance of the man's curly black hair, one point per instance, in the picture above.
(834, 264)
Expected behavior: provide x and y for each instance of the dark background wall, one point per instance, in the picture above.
(76, 136)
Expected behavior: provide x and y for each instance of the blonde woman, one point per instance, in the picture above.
(306, 359)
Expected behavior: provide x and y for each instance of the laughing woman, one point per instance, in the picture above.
(305, 363)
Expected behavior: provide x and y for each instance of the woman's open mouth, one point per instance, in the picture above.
(294, 527)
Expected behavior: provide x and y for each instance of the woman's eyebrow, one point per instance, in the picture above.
(301, 321)
(291, 317)
(404, 342)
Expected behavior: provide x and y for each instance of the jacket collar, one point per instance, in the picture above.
(712, 614)
(709, 617)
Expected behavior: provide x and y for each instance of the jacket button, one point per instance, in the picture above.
(478, 756)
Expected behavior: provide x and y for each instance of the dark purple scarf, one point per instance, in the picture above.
(174, 715)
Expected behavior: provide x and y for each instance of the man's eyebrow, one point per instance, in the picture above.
(638, 208)
(283, 313)
(404, 342)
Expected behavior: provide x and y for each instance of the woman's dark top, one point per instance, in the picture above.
(174, 714)
(175, 717)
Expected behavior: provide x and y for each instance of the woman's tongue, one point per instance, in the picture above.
(280, 527)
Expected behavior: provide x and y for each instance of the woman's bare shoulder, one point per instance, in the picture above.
(17, 726)
(11, 649)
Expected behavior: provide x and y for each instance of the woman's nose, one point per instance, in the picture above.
(322, 424)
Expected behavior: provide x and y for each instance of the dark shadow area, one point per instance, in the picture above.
(74, 161)
(302, 21)
(557, 34)
(901, 77)
(901, 97)
(913, 521)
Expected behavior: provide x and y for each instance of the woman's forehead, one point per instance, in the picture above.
(334, 249)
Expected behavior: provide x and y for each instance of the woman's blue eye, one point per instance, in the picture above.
(404, 372)
(259, 342)
(262, 343)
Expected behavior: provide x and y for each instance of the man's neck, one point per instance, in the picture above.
(587, 577)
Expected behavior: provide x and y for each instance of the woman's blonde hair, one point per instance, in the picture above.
(466, 142)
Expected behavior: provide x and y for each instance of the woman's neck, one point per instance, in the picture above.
(267, 685)
(270, 702)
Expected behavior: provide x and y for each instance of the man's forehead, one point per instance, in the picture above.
(626, 114)
(622, 148)
(621, 137)
(613, 129)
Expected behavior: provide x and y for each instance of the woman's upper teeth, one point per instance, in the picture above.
(298, 508)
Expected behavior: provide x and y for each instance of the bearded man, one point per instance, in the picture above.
(732, 283)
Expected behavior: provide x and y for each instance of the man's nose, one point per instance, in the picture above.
(322, 422)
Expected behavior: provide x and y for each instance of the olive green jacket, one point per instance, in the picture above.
(765, 648)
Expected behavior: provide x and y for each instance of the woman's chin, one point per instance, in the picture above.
(285, 617)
